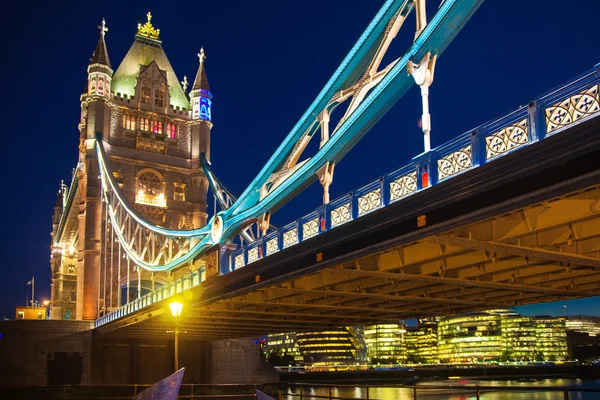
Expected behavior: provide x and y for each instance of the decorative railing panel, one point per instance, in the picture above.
(455, 162)
(506, 139)
(572, 109)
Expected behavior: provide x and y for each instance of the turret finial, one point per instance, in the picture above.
(185, 83)
(103, 28)
(147, 30)
(201, 55)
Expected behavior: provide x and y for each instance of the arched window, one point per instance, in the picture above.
(128, 124)
(159, 98)
(124, 121)
(173, 131)
(168, 129)
(159, 127)
(149, 188)
(179, 191)
(100, 85)
(146, 124)
(145, 94)
(154, 126)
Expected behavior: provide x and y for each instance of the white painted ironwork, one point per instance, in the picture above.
(252, 255)
(340, 215)
(455, 162)
(403, 186)
(239, 261)
(290, 237)
(272, 245)
(506, 139)
(310, 228)
(369, 201)
(572, 109)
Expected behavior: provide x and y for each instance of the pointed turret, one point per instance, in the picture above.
(100, 55)
(200, 94)
(99, 71)
(201, 81)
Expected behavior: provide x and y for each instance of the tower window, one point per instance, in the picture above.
(149, 185)
(179, 191)
(145, 94)
(159, 98)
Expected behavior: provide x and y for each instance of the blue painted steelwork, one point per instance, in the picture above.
(439, 32)
(537, 118)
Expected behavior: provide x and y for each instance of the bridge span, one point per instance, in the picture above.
(505, 215)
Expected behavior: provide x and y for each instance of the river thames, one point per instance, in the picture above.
(465, 391)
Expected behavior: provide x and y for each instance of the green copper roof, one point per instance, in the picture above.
(142, 52)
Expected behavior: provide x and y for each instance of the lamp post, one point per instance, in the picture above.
(176, 308)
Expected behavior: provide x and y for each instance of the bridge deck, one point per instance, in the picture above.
(524, 229)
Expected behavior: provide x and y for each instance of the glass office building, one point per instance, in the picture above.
(385, 343)
(470, 338)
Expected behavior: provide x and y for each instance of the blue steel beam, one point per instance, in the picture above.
(438, 34)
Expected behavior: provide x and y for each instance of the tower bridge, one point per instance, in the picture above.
(503, 215)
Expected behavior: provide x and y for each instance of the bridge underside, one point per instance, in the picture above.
(521, 230)
(545, 252)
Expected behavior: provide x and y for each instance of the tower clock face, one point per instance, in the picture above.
(217, 229)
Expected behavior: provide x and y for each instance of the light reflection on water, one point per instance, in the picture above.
(392, 393)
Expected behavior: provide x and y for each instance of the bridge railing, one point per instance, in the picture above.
(548, 115)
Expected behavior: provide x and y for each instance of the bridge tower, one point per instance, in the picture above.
(153, 140)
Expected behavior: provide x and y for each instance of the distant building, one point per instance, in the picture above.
(336, 346)
(24, 312)
(284, 344)
(470, 338)
(422, 342)
(385, 343)
(551, 338)
(584, 324)
(519, 337)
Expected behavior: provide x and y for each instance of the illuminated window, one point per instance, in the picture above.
(179, 191)
(159, 98)
(21, 315)
(145, 124)
(101, 85)
(160, 127)
(155, 126)
(145, 94)
(149, 185)
(124, 120)
(173, 131)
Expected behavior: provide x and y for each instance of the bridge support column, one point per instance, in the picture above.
(423, 75)
(325, 175)
(90, 228)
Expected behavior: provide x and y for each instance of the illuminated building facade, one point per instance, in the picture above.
(284, 344)
(551, 335)
(337, 346)
(385, 343)
(469, 338)
(584, 324)
(519, 338)
(153, 131)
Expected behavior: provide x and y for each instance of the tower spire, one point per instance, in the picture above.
(201, 81)
(100, 55)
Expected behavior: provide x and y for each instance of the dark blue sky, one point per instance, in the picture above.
(266, 62)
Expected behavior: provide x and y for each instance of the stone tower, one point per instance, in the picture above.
(153, 134)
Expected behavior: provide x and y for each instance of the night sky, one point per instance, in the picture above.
(266, 61)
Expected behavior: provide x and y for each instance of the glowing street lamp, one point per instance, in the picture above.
(176, 308)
